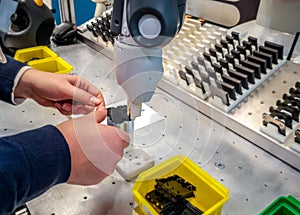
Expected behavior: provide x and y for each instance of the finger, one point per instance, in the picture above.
(124, 135)
(82, 109)
(61, 110)
(83, 84)
(86, 92)
(100, 114)
(67, 107)
(100, 96)
(42, 101)
(85, 97)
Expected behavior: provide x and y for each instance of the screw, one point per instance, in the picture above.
(220, 165)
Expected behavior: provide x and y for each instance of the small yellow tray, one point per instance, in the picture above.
(34, 53)
(210, 195)
(44, 59)
(54, 65)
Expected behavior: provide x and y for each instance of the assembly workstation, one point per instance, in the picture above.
(227, 98)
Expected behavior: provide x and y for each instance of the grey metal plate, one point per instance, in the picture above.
(254, 177)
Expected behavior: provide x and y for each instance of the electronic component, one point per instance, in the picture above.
(175, 187)
(170, 195)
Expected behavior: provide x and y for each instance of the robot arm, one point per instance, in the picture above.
(142, 28)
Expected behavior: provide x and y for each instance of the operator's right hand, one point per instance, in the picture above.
(95, 148)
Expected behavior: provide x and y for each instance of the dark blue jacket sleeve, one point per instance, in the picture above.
(8, 72)
(30, 163)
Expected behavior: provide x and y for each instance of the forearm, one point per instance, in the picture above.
(10, 73)
(30, 163)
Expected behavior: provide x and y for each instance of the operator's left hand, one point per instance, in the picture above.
(68, 93)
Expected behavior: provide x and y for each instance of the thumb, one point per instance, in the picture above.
(100, 114)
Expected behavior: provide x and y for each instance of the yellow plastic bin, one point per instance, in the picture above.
(54, 65)
(34, 53)
(210, 195)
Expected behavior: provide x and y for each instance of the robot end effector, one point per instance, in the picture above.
(142, 28)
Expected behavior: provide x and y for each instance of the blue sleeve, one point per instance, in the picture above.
(8, 72)
(30, 163)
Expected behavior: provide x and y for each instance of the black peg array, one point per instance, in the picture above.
(100, 27)
(236, 65)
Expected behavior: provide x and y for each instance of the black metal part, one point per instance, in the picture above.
(230, 89)
(235, 82)
(219, 49)
(199, 84)
(280, 125)
(297, 85)
(246, 71)
(230, 39)
(158, 201)
(101, 28)
(294, 92)
(294, 111)
(253, 66)
(236, 54)
(275, 113)
(182, 75)
(224, 43)
(181, 207)
(220, 93)
(264, 56)
(218, 68)
(213, 53)
(236, 36)
(170, 194)
(175, 187)
(189, 70)
(291, 100)
(248, 45)
(207, 56)
(278, 47)
(253, 41)
(92, 29)
(242, 77)
(242, 50)
(230, 59)
(260, 61)
(118, 114)
(270, 51)
(224, 63)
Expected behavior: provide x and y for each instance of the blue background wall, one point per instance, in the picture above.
(84, 10)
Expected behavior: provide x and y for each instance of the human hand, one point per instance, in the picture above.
(68, 93)
(95, 148)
